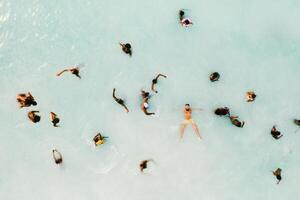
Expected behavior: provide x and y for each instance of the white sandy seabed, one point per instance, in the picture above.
(253, 44)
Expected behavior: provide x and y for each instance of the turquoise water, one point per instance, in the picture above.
(255, 45)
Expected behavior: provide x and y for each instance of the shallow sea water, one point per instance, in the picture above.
(255, 45)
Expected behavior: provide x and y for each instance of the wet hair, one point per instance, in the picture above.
(36, 118)
(187, 104)
(297, 122)
(181, 13)
(214, 76)
(55, 121)
(222, 111)
(128, 46)
(33, 103)
(186, 21)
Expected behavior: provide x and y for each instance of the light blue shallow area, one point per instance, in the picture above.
(255, 45)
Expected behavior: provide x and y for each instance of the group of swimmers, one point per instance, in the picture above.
(27, 100)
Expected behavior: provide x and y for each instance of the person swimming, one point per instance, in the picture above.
(54, 119)
(297, 122)
(145, 94)
(34, 117)
(277, 173)
(187, 111)
(214, 76)
(236, 122)
(222, 111)
(250, 96)
(74, 71)
(275, 133)
(154, 81)
(184, 21)
(119, 101)
(26, 100)
(144, 164)
(58, 159)
(99, 139)
(126, 48)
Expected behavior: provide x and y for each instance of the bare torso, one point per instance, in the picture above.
(188, 114)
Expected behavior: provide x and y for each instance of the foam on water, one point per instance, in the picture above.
(255, 45)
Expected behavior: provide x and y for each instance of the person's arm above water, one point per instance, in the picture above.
(63, 71)
(125, 107)
(160, 75)
(113, 94)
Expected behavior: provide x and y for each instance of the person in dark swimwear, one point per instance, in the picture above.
(54, 119)
(34, 117)
(57, 156)
(222, 111)
(154, 81)
(275, 133)
(181, 15)
(144, 164)
(74, 71)
(214, 77)
(277, 173)
(297, 122)
(119, 101)
(236, 122)
(99, 139)
(250, 96)
(126, 48)
(26, 100)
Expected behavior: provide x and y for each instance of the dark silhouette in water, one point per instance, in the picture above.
(297, 122)
(154, 81)
(26, 100)
(144, 164)
(277, 173)
(54, 119)
(33, 116)
(236, 122)
(183, 20)
(74, 71)
(126, 48)
(222, 111)
(57, 156)
(119, 101)
(214, 77)
(275, 133)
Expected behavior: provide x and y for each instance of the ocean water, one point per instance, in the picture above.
(254, 45)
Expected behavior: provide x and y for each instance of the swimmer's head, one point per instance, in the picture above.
(181, 13)
(34, 103)
(36, 118)
(128, 46)
(187, 107)
(214, 76)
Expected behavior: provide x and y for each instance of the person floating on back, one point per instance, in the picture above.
(74, 71)
(99, 139)
(126, 48)
(275, 133)
(119, 100)
(236, 122)
(277, 173)
(144, 164)
(26, 100)
(54, 119)
(187, 111)
(183, 20)
(58, 159)
(145, 104)
(250, 96)
(222, 111)
(214, 77)
(33, 116)
(154, 81)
